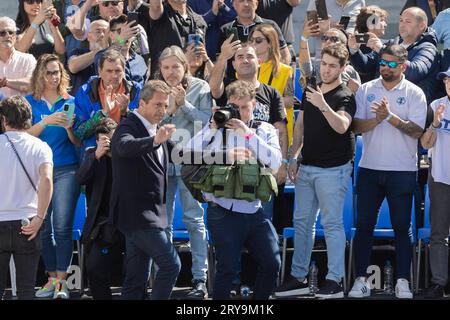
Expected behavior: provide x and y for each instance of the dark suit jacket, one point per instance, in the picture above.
(93, 174)
(138, 197)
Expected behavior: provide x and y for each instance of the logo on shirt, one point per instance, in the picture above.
(371, 98)
(401, 100)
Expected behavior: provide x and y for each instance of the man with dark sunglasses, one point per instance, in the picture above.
(79, 23)
(15, 67)
(391, 113)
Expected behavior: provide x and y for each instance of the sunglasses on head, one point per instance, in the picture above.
(3, 33)
(30, 2)
(113, 3)
(257, 40)
(390, 64)
(331, 38)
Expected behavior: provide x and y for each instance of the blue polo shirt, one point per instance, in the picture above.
(64, 152)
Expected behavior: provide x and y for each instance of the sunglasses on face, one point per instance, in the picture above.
(257, 40)
(390, 64)
(333, 39)
(3, 33)
(30, 2)
(113, 3)
(52, 73)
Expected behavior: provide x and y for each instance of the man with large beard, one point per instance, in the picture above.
(322, 134)
(391, 113)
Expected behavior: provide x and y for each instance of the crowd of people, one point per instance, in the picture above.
(105, 97)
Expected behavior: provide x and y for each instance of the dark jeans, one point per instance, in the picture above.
(230, 231)
(101, 262)
(141, 246)
(26, 258)
(372, 187)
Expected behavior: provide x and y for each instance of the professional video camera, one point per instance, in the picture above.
(230, 111)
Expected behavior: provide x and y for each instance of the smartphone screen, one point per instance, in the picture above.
(321, 7)
(344, 22)
(312, 16)
(233, 31)
(361, 38)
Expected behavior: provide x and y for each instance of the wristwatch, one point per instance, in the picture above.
(389, 117)
(303, 38)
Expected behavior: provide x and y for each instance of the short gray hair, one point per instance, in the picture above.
(8, 21)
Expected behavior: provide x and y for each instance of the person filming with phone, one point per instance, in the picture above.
(53, 116)
(323, 145)
(419, 40)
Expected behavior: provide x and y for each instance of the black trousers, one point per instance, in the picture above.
(101, 264)
(26, 258)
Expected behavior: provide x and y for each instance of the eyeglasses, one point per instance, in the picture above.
(3, 33)
(107, 3)
(390, 64)
(257, 40)
(30, 2)
(331, 38)
(52, 73)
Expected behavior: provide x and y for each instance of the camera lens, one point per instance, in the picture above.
(221, 116)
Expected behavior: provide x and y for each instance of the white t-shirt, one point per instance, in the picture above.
(440, 153)
(385, 147)
(18, 200)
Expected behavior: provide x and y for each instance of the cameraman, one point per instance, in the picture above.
(234, 223)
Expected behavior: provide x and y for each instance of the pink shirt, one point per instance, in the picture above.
(19, 65)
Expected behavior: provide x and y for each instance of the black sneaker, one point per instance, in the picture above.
(198, 292)
(435, 291)
(292, 287)
(330, 290)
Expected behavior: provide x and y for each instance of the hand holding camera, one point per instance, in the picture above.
(103, 146)
(374, 43)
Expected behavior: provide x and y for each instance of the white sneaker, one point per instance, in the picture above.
(61, 290)
(360, 289)
(402, 290)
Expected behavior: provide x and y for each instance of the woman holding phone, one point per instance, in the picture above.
(38, 22)
(272, 71)
(51, 105)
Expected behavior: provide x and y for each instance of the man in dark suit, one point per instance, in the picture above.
(140, 153)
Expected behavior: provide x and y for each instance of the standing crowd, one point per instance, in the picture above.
(120, 99)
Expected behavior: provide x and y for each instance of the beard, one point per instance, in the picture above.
(389, 77)
(332, 79)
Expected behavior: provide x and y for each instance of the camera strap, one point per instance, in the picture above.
(21, 163)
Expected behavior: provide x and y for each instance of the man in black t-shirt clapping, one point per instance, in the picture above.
(321, 182)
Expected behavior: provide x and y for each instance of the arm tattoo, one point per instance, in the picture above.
(410, 128)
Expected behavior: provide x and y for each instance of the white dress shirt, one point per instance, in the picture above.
(151, 128)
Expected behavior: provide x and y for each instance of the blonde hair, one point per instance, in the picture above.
(271, 36)
(38, 78)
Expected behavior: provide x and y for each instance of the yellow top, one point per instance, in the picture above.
(279, 82)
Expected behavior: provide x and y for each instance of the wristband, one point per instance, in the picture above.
(293, 160)
(39, 217)
(285, 161)
(34, 25)
(433, 127)
(43, 125)
(304, 38)
(389, 117)
(120, 40)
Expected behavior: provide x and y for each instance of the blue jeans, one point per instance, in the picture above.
(321, 189)
(372, 187)
(141, 247)
(193, 220)
(56, 235)
(230, 231)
